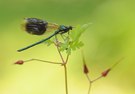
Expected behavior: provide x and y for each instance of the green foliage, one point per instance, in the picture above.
(71, 41)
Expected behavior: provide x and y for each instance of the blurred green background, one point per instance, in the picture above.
(110, 37)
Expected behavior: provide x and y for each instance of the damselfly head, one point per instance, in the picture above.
(35, 26)
(64, 29)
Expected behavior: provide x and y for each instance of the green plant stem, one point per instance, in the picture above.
(90, 83)
(96, 79)
(67, 58)
(114, 65)
(65, 70)
(42, 61)
(89, 90)
(66, 81)
(60, 55)
(56, 44)
(64, 64)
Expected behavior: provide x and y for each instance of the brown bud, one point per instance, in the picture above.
(85, 68)
(105, 73)
(19, 62)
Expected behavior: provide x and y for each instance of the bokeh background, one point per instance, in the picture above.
(110, 37)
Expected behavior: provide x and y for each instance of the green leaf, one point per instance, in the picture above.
(70, 41)
(63, 46)
(75, 35)
(78, 30)
(68, 51)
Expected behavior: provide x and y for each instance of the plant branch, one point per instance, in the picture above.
(56, 44)
(96, 79)
(67, 58)
(63, 62)
(42, 61)
(90, 83)
(117, 63)
(66, 81)
(89, 90)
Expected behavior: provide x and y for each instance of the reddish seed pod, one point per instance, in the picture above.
(105, 73)
(85, 69)
(19, 62)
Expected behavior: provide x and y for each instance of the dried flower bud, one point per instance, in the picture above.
(85, 69)
(19, 62)
(105, 73)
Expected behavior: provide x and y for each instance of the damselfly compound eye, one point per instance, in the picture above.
(35, 26)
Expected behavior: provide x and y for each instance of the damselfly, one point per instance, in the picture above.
(39, 27)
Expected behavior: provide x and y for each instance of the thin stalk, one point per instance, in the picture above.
(60, 55)
(64, 64)
(88, 78)
(66, 81)
(42, 61)
(65, 70)
(89, 90)
(96, 79)
(90, 83)
(67, 58)
(59, 50)
(117, 63)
